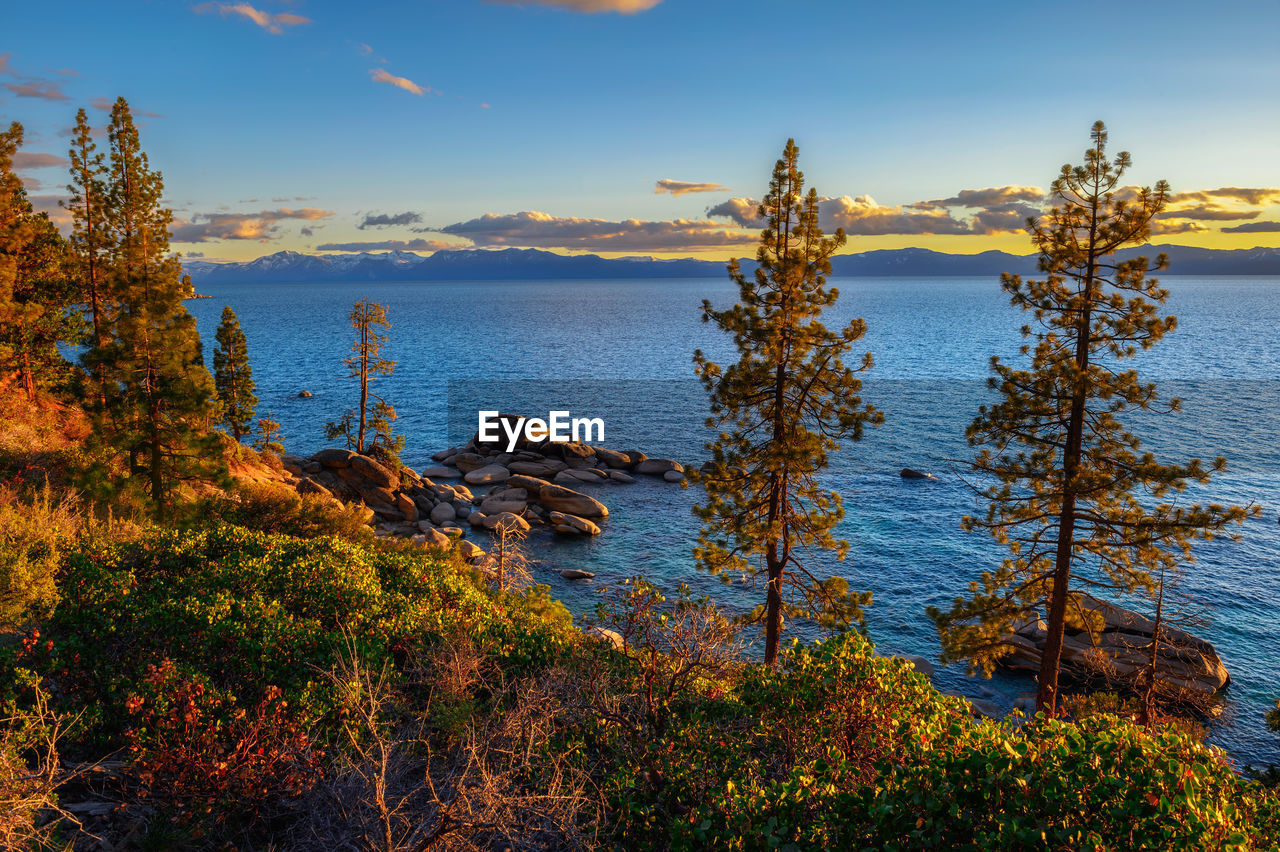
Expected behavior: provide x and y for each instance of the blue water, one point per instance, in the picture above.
(621, 350)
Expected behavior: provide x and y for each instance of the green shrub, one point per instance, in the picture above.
(246, 611)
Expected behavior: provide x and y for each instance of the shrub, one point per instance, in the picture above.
(1101, 784)
(280, 510)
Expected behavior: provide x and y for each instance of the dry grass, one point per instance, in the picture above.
(492, 785)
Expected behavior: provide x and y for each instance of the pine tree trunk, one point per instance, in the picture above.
(364, 378)
(1050, 663)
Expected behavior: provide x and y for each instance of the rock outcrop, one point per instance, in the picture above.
(1122, 649)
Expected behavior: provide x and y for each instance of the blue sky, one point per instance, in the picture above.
(549, 124)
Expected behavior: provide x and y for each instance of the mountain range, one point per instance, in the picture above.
(287, 267)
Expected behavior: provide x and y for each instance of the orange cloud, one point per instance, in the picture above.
(389, 245)
(273, 24)
(263, 225)
(381, 76)
(591, 7)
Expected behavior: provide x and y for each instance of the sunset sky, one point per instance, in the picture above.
(643, 126)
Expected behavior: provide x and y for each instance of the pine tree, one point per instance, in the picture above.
(158, 397)
(36, 299)
(785, 405)
(364, 364)
(232, 375)
(1073, 496)
(268, 436)
(90, 240)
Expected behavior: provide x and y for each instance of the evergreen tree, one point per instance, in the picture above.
(268, 436)
(232, 376)
(367, 318)
(158, 397)
(90, 238)
(36, 299)
(785, 405)
(1069, 478)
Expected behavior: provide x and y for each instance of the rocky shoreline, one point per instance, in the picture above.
(534, 485)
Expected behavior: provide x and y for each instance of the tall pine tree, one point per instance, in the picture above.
(232, 375)
(90, 240)
(36, 298)
(150, 425)
(787, 402)
(1072, 495)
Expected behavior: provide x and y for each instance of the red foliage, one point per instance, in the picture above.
(197, 751)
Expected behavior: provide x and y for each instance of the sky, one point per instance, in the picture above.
(649, 127)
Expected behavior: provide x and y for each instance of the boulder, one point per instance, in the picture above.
(1121, 649)
(619, 476)
(561, 499)
(441, 472)
(487, 474)
(545, 468)
(506, 520)
(454, 533)
(908, 473)
(476, 519)
(470, 551)
(591, 477)
(614, 459)
(432, 537)
(292, 463)
(567, 523)
(407, 507)
(920, 663)
(334, 457)
(657, 467)
(673, 476)
(444, 454)
(566, 477)
(461, 509)
(443, 514)
(497, 504)
(604, 634)
(576, 574)
(374, 472)
(304, 394)
(307, 485)
(374, 494)
(467, 462)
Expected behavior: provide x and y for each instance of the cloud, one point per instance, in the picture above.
(863, 216)
(1210, 212)
(591, 7)
(240, 226)
(45, 90)
(1164, 227)
(994, 211)
(389, 245)
(381, 76)
(273, 24)
(684, 187)
(1254, 228)
(532, 229)
(32, 160)
(988, 197)
(363, 49)
(193, 254)
(384, 220)
(4, 63)
(105, 104)
(1254, 196)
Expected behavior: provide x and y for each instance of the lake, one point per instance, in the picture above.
(621, 351)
